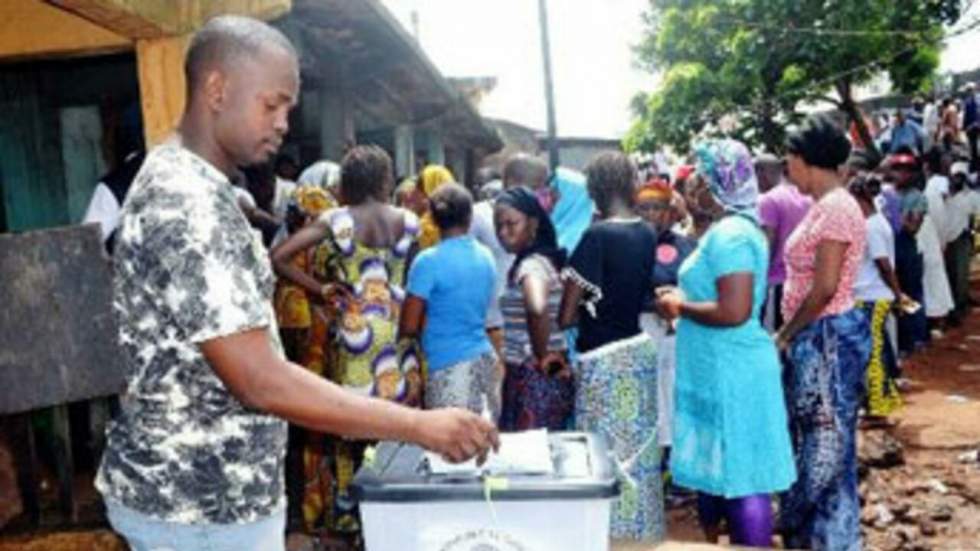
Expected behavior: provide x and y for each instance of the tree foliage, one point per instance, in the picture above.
(741, 67)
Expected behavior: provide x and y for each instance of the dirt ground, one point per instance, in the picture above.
(920, 484)
(920, 478)
(933, 500)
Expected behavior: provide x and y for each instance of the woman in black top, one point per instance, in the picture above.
(609, 276)
(607, 283)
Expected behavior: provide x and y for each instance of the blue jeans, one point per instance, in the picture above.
(144, 533)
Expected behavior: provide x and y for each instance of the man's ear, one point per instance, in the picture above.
(215, 90)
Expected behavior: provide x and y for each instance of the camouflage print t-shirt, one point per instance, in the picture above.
(188, 268)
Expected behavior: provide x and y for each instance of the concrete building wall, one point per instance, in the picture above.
(577, 156)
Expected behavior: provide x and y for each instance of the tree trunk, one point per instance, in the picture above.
(772, 137)
(854, 115)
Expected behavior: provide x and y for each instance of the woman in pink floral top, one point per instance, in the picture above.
(826, 342)
(834, 225)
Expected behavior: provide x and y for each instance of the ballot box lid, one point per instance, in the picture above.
(400, 473)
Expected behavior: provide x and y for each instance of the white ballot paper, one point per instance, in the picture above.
(524, 453)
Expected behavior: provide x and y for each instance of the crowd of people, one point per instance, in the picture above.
(950, 123)
(723, 325)
(726, 325)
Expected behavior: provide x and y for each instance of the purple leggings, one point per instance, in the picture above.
(749, 518)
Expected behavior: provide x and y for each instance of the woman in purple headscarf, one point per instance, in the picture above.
(731, 441)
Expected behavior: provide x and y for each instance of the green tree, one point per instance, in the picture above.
(741, 67)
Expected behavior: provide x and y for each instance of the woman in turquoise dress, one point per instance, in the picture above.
(731, 438)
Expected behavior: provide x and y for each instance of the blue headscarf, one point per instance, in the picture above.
(726, 166)
(572, 214)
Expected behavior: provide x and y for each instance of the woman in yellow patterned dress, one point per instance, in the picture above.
(362, 253)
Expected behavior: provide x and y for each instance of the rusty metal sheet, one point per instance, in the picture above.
(58, 337)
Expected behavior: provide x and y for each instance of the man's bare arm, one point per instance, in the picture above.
(259, 378)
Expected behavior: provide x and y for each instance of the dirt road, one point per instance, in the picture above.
(933, 500)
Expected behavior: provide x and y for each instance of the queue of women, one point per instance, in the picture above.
(647, 330)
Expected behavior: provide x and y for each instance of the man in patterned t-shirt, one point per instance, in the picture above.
(195, 459)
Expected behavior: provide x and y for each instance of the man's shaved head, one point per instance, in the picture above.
(525, 170)
(242, 80)
(226, 40)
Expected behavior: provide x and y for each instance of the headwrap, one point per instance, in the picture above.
(312, 200)
(572, 214)
(959, 168)
(914, 202)
(655, 189)
(903, 159)
(433, 177)
(406, 186)
(492, 189)
(324, 174)
(683, 172)
(546, 240)
(726, 166)
(429, 234)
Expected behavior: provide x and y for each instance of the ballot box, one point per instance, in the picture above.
(544, 492)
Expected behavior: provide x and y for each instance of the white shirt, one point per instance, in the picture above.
(482, 229)
(104, 209)
(663, 164)
(930, 119)
(938, 184)
(959, 209)
(880, 243)
(936, 192)
(284, 190)
(280, 204)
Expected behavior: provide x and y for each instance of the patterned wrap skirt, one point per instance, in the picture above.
(472, 384)
(824, 389)
(616, 397)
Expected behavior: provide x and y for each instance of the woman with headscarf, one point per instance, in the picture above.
(913, 326)
(432, 178)
(607, 285)
(538, 390)
(827, 344)
(408, 196)
(323, 174)
(731, 442)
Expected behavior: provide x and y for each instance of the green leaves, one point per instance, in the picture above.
(756, 60)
